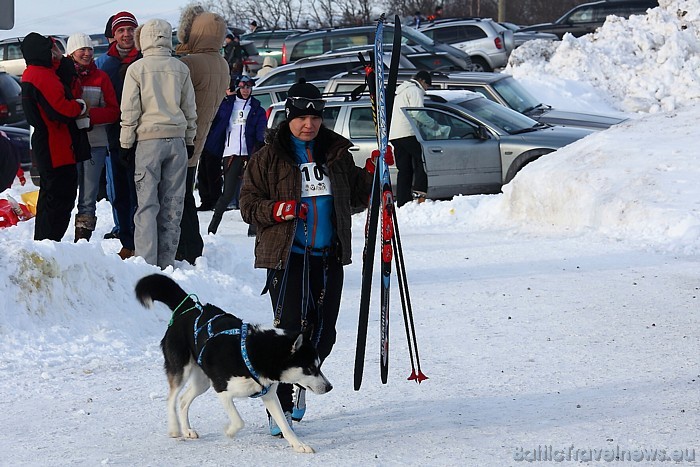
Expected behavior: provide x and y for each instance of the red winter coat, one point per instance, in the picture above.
(49, 111)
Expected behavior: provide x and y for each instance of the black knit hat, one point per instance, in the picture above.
(36, 49)
(303, 99)
(108, 28)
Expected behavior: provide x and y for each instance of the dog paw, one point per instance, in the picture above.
(174, 434)
(190, 434)
(303, 448)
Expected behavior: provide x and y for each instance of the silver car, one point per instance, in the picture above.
(498, 87)
(478, 148)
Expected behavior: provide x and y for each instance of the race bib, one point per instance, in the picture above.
(240, 118)
(313, 181)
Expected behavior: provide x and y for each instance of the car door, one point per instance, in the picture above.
(456, 159)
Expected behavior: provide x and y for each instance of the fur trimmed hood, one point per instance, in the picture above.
(200, 31)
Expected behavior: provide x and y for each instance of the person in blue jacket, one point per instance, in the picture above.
(238, 130)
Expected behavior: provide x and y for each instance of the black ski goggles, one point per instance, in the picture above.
(306, 103)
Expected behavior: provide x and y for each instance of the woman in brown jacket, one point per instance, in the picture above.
(299, 191)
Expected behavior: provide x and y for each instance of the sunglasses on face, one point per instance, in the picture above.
(305, 103)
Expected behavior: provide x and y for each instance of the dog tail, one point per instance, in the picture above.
(160, 288)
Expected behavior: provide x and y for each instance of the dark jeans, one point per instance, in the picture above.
(321, 325)
(191, 244)
(59, 189)
(209, 182)
(408, 155)
(124, 201)
(233, 171)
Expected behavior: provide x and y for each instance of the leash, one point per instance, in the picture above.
(196, 305)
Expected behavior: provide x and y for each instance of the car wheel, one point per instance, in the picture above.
(479, 64)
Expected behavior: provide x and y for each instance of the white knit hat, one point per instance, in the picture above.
(78, 41)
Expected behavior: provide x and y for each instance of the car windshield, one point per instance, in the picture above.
(516, 96)
(497, 115)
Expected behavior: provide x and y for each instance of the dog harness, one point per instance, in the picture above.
(210, 334)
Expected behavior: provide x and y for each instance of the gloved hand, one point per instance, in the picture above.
(288, 210)
(190, 151)
(371, 163)
(20, 176)
(127, 155)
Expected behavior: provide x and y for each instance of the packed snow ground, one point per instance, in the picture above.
(561, 313)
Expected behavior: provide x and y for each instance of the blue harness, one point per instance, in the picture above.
(210, 334)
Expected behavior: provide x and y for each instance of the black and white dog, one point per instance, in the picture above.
(206, 346)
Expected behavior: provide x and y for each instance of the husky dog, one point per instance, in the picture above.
(205, 346)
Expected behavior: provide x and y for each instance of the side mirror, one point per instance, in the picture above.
(482, 133)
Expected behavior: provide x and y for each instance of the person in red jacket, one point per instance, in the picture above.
(51, 109)
(95, 88)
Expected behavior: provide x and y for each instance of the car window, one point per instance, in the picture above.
(584, 15)
(361, 123)
(498, 115)
(287, 77)
(434, 125)
(516, 96)
(330, 116)
(323, 73)
(264, 98)
(342, 41)
(13, 52)
(307, 48)
(250, 49)
(278, 118)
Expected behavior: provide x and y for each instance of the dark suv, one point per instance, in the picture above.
(588, 17)
(11, 110)
(319, 42)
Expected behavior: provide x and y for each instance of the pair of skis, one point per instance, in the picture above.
(382, 98)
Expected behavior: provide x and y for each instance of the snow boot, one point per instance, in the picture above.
(84, 226)
(214, 224)
(299, 404)
(276, 430)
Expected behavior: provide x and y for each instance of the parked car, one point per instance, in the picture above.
(11, 58)
(318, 42)
(11, 110)
(520, 36)
(498, 87)
(479, 147)
(588, 17)
(436, 61)
(488, 43)
(319, 69)
(20, 138)
(270, 42)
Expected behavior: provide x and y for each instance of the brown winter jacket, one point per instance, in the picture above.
(201, 35)
(272, 175)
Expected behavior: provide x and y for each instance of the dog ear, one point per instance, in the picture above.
(298, 342)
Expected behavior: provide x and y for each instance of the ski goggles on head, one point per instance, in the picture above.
(306, 103)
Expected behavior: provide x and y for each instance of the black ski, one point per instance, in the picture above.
(372, 221)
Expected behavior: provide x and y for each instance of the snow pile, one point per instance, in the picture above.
(647, 63)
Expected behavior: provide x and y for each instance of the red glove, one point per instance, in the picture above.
(371, 162)
(288, 210)
(20, 175)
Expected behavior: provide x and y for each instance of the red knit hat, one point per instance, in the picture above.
(123, 18)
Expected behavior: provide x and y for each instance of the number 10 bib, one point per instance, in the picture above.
(314, 182)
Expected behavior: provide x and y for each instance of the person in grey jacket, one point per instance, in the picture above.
(158, 128)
